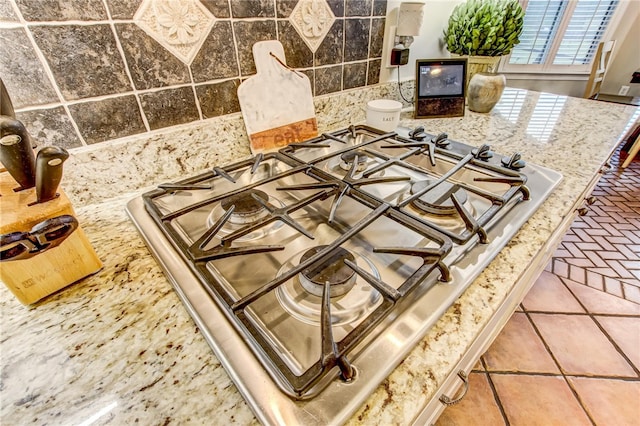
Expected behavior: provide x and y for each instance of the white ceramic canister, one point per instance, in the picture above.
(383, 114)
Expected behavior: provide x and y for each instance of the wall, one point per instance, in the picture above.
(81, 72)
(425, 46)
(626, 57)
(560, 85)
(626, 31)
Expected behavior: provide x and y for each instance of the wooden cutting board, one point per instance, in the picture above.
(277, 102)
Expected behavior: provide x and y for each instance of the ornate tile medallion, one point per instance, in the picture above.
(180, 26)
(312, 19)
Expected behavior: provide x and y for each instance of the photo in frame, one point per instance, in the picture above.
(440, 87)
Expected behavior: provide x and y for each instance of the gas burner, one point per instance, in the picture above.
(438, 201)
(346, 160)
(358, 300)
(341, 278)
(247, 206)
(247, 209)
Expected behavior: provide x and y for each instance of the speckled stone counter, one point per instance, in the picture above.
(119, 348)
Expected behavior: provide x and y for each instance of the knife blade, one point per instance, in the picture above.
(49, 172)
(6, 107)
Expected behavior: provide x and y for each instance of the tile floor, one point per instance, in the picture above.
(570, 355)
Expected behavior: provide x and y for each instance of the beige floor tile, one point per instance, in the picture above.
(549, 294)
(598, 302)
(531, 400)
(518, 348)
(579, 346)
(626, 333)
(609, 402)
(478, 403)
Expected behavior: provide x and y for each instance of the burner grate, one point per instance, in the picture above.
(395, 159)
(281, 344)
(306, 192)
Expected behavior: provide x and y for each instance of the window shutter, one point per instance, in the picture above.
(580, 24)
(585, 30)
(541, 21)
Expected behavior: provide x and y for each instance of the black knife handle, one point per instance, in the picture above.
(16, 152)
(49, 172)
(11, 126)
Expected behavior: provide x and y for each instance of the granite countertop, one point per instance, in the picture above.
(119, 348)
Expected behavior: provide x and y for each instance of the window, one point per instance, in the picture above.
(560, 35)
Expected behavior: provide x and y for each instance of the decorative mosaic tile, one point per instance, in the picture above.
(312, 19)
(180, 26)
(331, 50)
(150, 65)
(84, 59)
(373, 74)
(50, 126)
(215, 60)
(219, 98)
(312, 79)
(123, 9)
(354, 75)
(108, 118)
(328, 80)
(356, 39)
(377, 37)
(358, 8)
(87, 62)
(252, 9)
(247, 34)
(62, 10)
(169, 107)
(219, 8)
(337, 7)
(298, 53)
(22, 72)
(285, 7)
(379, 7)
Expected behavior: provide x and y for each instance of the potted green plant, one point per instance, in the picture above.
(484, 30)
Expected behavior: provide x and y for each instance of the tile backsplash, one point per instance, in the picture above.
(82, 72)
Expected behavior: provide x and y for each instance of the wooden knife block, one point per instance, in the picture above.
(32, 279)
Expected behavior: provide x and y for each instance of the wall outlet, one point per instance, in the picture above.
(390, 40)
(623, 90)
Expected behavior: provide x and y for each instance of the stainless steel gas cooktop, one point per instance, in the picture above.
(313, 271)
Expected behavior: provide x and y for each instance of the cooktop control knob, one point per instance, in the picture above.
(418, 134)
(441, 141)
(482, 153)
(515, 162)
